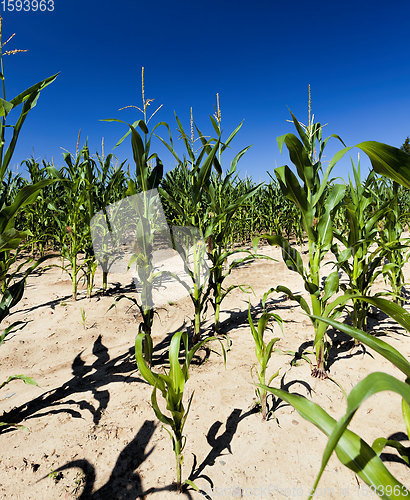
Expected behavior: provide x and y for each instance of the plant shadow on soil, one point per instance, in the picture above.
(92, 377)
(124, 482)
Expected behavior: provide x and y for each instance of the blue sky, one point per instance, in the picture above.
(259, 56)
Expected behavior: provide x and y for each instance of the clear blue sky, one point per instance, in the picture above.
(259, 55)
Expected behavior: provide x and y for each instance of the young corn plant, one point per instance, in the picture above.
(317, 201)
(361, 256)
(74, 216)
(263, 354)
(172, 385)
(391, 235)
(193, 212)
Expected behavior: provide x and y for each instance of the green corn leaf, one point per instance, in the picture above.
(380, 443)
(351, 450)
(175, 372)
(378, 345)
(395, 311)
(405, 407)
(151, 377)
(267, 355)
(291, 188)
(329, 169)
(388, 160)
(13, 328)
(26, 380)
(325, 231)
(5, 107)
(231, 137)
(33, 89)
(372, 384)
(158, 413)
(301, 132)
(10, 239)
(300, 159)
(335, 196)
(298, 298)
(331, 285)
(255, 333)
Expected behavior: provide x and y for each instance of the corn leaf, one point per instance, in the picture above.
(351, 450)
(381, 347)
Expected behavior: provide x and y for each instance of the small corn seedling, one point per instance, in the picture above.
(171, 386)
(263, 354)
(83, 318)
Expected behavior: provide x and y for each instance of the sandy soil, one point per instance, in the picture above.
(91, 417)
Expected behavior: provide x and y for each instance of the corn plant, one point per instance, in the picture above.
(146, 182)
(193, 212)
(391, 231)
(73, 217)
(172, 385)
(351, 450)
(110, 186)
(13, 201)
(11, 238)
(361, 256)
(317, 201)
(263, 354)
(222, 207)
(209, 205)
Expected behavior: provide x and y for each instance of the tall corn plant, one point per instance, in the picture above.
(11, 238)
(13, 202)
(317, 201)
(352, 451)
(196, 169)
(391, 234)
(209, 206)
(73, 215)
(360, 254)
(172, 385)
(223, 207)
(147, 179)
